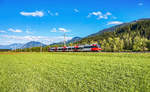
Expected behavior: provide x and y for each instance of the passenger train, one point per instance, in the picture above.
(81, 48)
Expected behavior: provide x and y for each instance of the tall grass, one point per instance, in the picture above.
(75, 72)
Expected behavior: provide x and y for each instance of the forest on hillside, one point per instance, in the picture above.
(134, 36)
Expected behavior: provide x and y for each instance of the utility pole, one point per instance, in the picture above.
(64, 39)
(31, 48)
(31, 45)
(64, 30)
(15, 48)
(41, 47)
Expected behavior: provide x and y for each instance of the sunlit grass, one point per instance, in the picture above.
(75, 72)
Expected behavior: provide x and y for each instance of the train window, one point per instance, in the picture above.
(80, 48)
(94, 46)
(52, 49)
(69, 48)
(60, 48)
(87, 46)
(99, 46)
(64, 48)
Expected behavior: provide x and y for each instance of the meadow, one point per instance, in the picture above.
(74, 72)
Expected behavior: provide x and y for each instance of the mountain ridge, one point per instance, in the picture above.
(32, 44)
(11, 46)
(105, 33)
(110, 29)
(73, 40)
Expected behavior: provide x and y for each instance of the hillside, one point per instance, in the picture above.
(132, 36)
(108, 29)
(73, 40)
(135, 26)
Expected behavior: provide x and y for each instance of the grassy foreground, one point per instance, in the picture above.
(75, 72)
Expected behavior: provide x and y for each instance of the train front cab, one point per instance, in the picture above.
(96, 48)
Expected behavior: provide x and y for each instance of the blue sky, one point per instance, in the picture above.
(22, 21)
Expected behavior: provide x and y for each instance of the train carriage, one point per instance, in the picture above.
(81, 48)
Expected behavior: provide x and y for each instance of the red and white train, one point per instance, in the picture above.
(81, 48)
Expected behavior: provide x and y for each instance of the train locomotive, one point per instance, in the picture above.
(81, 48)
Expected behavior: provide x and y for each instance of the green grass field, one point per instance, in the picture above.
(74, 72)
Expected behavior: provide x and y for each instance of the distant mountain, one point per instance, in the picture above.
(75, 39)
(33, 44)
(11, 46)
(16, 45)
(4, 47)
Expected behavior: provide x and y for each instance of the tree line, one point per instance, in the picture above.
(133, 36)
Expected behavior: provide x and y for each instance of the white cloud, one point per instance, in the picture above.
(76, 10)
(56, 13)
(50, 13)
(2, 31)
(25, 39)
(99, 15)
(15, 30)
(59, 30)
(114, 23)
(114, 17)
(32, 38)
(36, 13)
(108, 13)
(54, 30)
(63, 30)
(140, 4)
(28, 32)
(53, 14)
